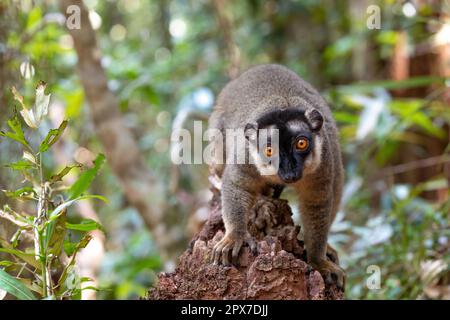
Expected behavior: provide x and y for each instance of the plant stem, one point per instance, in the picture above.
(39, 233)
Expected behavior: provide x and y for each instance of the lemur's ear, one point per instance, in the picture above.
(251, 131)
(315, 119)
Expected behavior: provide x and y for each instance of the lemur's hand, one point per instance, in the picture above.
(331, 272)
(231, 242)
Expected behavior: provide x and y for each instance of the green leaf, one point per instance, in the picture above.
(426, 124)
(389, 37)
(20, 165)
(55, 234)
(86, 178)
(74, 102)
(15, 287)
(76, 294)
(52, 137)
(58, 177)
(16, 132)
(60, 209)
(27, 257)
(32, 285)
(412, 111)
(26, 192)
(34, 18)
(152, 96)
(80, 245)
(367, 87)
(6, 263)
(85, 225)
(340, 48)
(346, 117)
(385, 151)
(86, 279)
(90, 288)
(69, 247)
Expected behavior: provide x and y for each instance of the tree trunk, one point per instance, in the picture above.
(278, 271)
(138, 182)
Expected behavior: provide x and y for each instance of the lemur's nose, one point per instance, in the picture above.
(290, 176)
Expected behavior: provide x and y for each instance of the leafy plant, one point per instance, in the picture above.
(386, 223)
(50, 276)
(407, 241)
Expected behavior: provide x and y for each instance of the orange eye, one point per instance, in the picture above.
(268, 151)
(302, 144)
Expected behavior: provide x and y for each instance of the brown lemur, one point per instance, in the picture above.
(268, 97)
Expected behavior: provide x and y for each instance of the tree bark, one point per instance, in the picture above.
(277, 271)
(226, 26)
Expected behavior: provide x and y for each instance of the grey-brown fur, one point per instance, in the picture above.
(256, 92)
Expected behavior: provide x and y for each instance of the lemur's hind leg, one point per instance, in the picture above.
(332, 254)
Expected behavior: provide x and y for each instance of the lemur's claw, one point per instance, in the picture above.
(253, 247)
(231, 244)
(331, 273)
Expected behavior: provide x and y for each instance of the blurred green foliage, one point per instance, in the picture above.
(164, 56)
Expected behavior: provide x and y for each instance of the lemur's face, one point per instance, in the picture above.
(297, 147)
